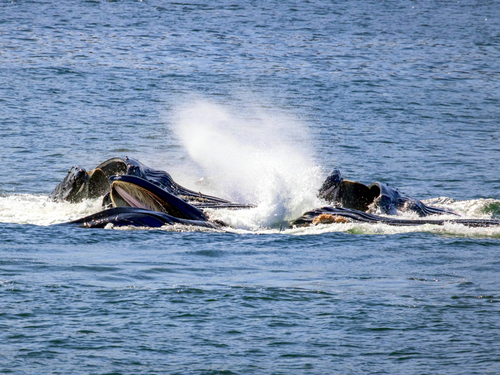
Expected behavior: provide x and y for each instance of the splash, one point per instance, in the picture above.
(255, 155)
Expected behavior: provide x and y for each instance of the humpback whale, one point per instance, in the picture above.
(376, 196)
(136, 195)
(131, 191)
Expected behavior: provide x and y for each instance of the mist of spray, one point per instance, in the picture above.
(254, 155)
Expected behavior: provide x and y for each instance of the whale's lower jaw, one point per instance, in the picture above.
(134, 217)
(334, 214)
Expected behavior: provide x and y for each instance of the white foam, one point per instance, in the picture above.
(38, 210)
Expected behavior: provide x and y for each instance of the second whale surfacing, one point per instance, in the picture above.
(136, 195)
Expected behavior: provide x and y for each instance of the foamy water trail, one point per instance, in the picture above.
(254, 156)
(38, 210)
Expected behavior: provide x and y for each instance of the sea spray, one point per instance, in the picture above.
(253, 155)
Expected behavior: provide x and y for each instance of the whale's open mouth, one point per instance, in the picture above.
(126, 194)
(132, 191)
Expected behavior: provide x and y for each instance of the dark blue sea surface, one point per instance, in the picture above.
(261, 99)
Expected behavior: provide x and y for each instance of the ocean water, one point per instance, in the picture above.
(261, 100)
